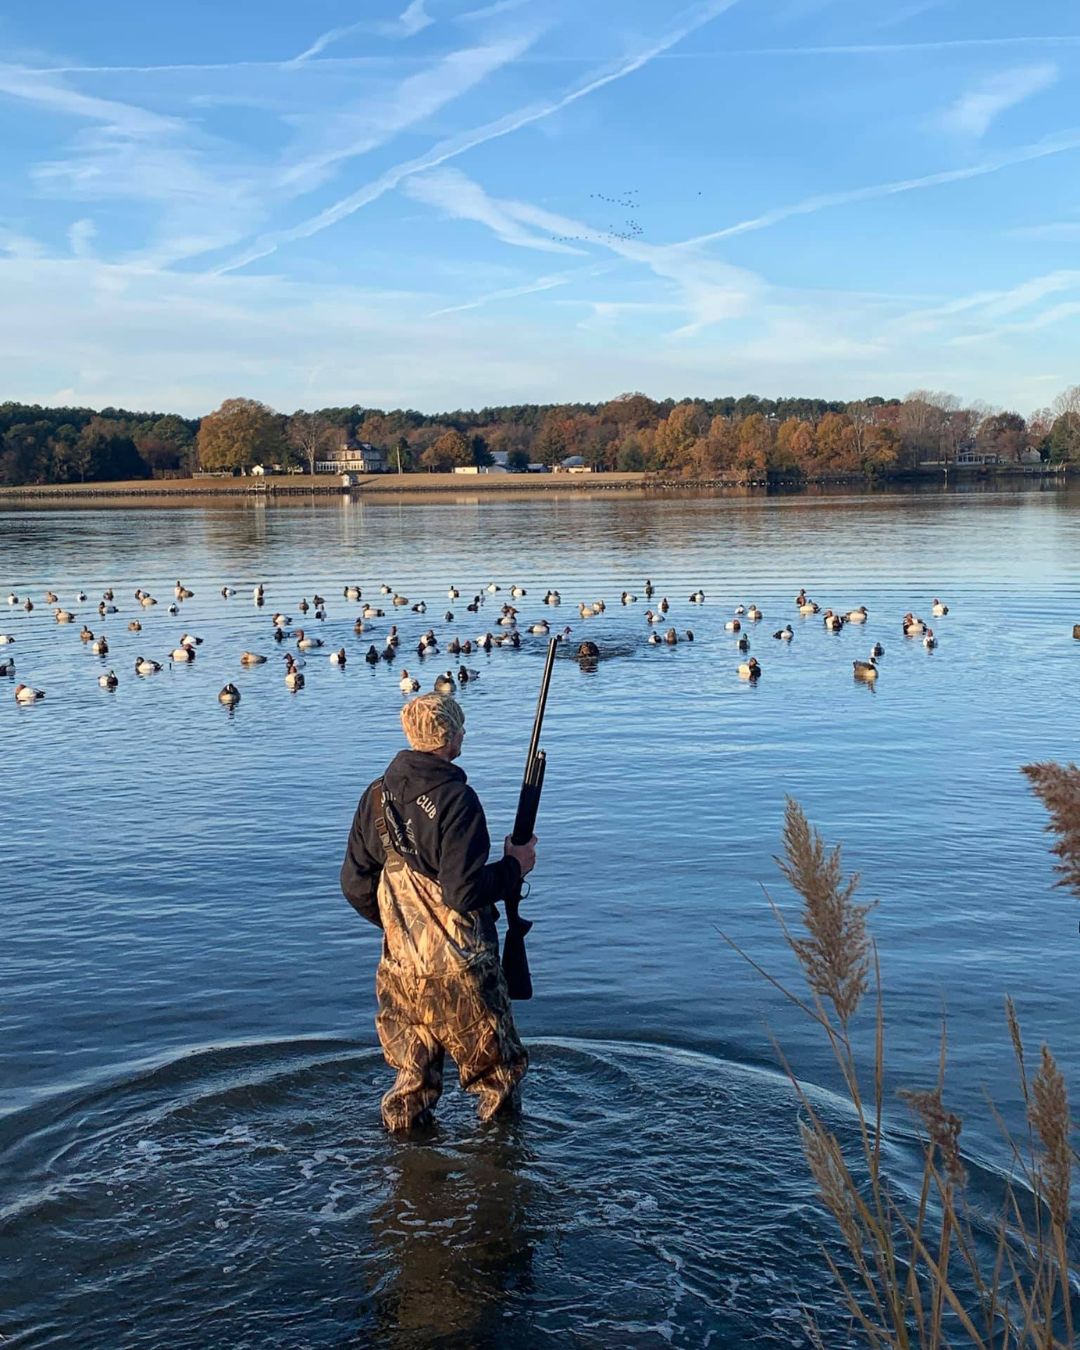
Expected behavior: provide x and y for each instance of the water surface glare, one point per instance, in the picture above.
(187, 1061)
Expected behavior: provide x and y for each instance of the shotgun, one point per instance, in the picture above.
(515, 962)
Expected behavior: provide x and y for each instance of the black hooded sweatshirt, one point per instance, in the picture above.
(436, 822)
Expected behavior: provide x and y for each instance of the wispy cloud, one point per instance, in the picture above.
(81, 235)
(359, 128)
(977, 108)
(515, 223)
(689, 22)
(1057, 145)
(414, 19)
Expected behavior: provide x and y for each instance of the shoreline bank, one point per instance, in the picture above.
(422, 485)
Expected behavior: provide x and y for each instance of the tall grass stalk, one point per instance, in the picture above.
(920, 1273)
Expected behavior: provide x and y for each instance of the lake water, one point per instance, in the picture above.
(191, 1152)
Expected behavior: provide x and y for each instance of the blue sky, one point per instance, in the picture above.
(467, 202)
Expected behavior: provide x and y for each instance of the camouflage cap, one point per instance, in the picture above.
(431, 721)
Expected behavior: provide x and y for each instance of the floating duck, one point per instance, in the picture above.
(785, 634)
(809, 607)
(541, 629)
(351, 592)
(108, 595)
(5, 638)
(63, 615)
(698, 598)
(370, 612)
(108, 680)
(12, 599)
(384, 589)
(627, 598)
(913, 627)
(689, 635)
(554, 598)
(388, 654)
(230, 696)
(517, 592)
(174, 608)
(80, 596)
(877, 650)
(859, 615)
(7, 668)
(226, 591)
(743, 644)
(733, 625)
(304, 606)
(452, 593)
(464, 675)
(338, 658)
(590, 611)
(833, 622)
(420, 607)
(143, 666)
(444, 684)
(28, 605)
(100, 646)
(371, 656)
(51, 598)
(653, 639)
(281, 620)
(181, 592)
(24, 694)
(671, 637)
(187, 640)
(407, 684)
(865, 670)
(938, 609)
(252, 659)
(648, 588)
(754, 614)
(134, 626)
(400, 599)
(86, 635)
(750, 670)
(146, 601)
(929, 640)
(181, 654)
(294, 679)
(306, 643)
(492, 588)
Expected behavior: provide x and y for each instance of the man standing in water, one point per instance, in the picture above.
(417, 867)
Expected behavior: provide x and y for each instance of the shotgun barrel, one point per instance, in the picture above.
(515, 961)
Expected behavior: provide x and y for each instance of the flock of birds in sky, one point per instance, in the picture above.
(297, 643)
(629, 230)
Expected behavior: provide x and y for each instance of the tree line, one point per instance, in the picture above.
(746, 439)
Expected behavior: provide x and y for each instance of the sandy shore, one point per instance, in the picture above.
(295, 486)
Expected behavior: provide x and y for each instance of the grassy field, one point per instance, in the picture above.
(414, 484)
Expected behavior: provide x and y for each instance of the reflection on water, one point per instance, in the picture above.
(452, 1234)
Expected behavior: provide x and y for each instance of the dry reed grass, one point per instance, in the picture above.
(921, 1275)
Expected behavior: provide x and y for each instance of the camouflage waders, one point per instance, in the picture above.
(440, 988)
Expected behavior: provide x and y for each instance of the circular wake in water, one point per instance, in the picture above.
(248, 1197)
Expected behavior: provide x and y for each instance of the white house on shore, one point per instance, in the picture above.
(357, 457)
